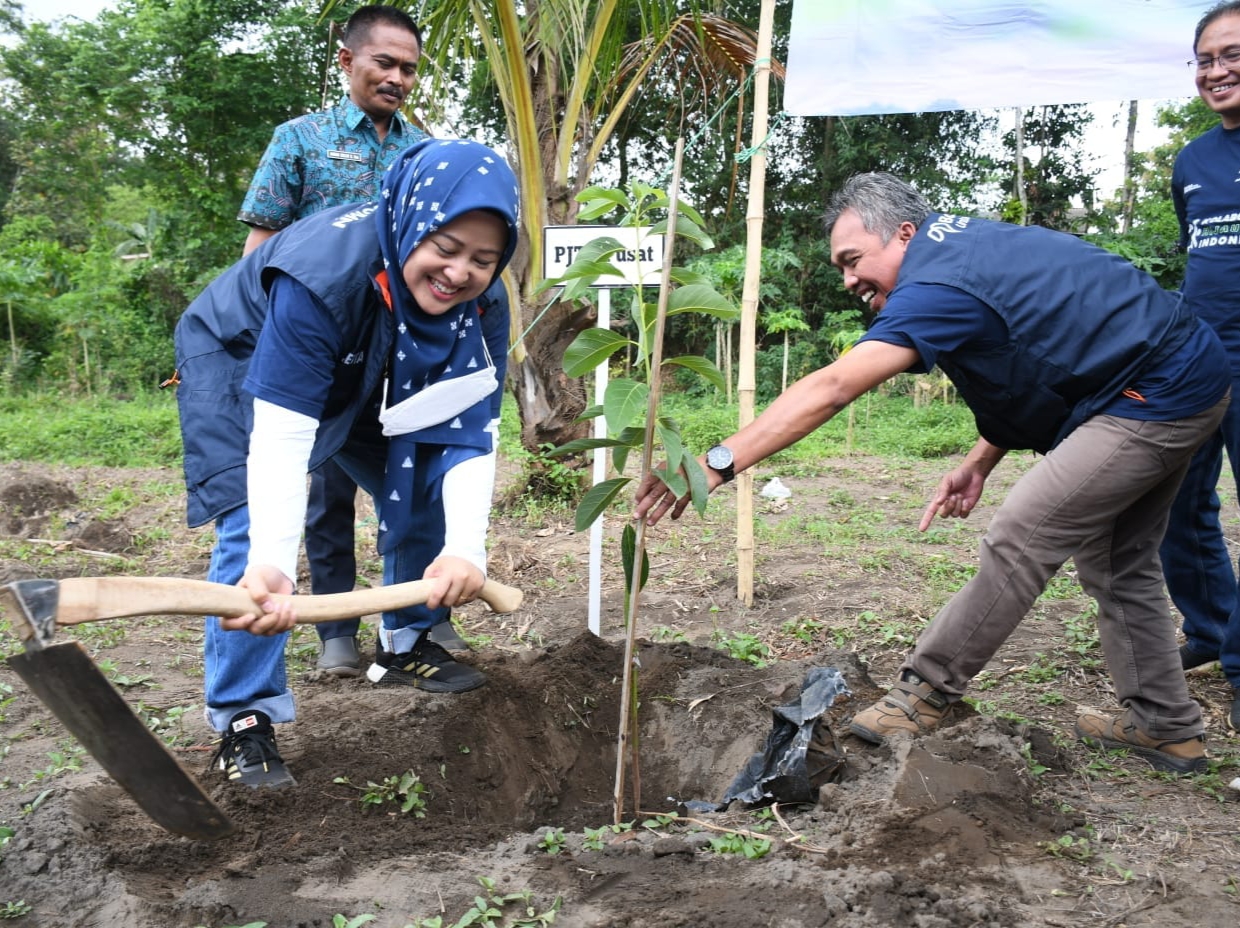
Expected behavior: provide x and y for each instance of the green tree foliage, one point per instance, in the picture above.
(1055, 173)
(145, 123)
(1152, 243)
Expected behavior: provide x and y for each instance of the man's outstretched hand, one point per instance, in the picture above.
(654, 500)
(956, 496)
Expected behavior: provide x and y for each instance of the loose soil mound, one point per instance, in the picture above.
(998, 819)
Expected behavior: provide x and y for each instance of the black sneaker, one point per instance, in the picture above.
(248, 752)
(427, 667)
(1190, 657)
(1233, 718)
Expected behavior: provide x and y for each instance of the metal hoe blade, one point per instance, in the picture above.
(70, 684)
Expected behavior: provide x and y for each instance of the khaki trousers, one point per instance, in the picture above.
(1100, 497)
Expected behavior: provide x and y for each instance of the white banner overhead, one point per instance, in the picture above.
(855, 57)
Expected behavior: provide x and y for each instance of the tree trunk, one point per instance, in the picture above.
(548, 400)
(783, 383)
(1130, 183)
(1021, 195)
(12, 336)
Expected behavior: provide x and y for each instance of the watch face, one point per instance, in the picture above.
(719, 457)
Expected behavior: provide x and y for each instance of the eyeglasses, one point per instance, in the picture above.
(1227, 59)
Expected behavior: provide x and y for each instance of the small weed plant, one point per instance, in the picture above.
(596, 838)
(343, 921)
(493, 909)
(18, 909)
(1069, 847)
(553, 841)
(743, 646)
(660, 822)
(751, 847)
(803, 630)
(6, 699)
(168, 724)
(1035, 768)
(62, 762)
(404, 790)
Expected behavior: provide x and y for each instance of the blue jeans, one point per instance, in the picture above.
(244, 671)
(1198, 569)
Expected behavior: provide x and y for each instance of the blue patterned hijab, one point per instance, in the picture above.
(432, 183)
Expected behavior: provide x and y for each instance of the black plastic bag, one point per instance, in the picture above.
(801, 752)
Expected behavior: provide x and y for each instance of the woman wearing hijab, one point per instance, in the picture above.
(376, 336)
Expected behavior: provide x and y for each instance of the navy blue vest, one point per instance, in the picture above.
(335, 255)
(1083, 324)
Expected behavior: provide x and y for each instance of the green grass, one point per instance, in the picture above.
(143, 431)
(883, 425)
(139, 432)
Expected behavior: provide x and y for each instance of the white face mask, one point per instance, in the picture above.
(438, 402)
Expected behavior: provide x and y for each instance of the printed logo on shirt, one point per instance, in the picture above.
(353, 358)
(1213, 231)
(944, 224)
(337, 155)
(1189, 188)
(355, 215)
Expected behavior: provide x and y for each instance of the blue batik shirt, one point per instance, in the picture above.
(322, 160)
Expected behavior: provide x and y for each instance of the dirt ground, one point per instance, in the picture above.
(999, 819)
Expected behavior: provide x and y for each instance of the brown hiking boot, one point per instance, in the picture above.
(912, 706)
(1101, 730)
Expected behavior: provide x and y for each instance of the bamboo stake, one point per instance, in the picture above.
(625, 743)
(749, 297)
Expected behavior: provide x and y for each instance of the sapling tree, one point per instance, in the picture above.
(626, 399)
(785, 321)
(630, 407)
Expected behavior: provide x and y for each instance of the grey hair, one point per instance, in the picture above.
(1222, 9)
(883, 202)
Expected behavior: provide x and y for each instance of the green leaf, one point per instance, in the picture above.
(594, 209)
(589, 267)
(591, 348)
(684, 277)
(631, 439)
(673, 447)
(620, 457)
(697, 298)
(574, 290)
(697, 484)
(579, 445)
(597, 499)
(628, 553)
(703, 367)
(590, 412)
(594, 252)
(606, 194)
(686, 228)
(675, 479)
(690, 213)
(624, 402)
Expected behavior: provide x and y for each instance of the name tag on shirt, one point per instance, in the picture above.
(337, 155)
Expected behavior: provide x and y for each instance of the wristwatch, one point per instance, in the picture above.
(719, 459)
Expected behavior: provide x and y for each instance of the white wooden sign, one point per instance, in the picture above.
(640, 261)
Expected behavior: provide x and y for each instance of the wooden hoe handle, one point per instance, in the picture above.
(89, 599)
